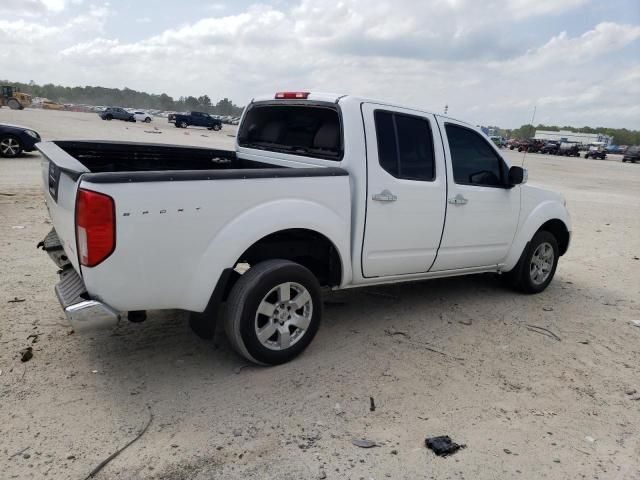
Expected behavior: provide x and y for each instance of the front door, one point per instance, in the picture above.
(406, 196)
(482, 210)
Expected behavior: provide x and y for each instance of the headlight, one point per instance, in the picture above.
(32, 134)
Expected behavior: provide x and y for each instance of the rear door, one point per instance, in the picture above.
(482, 211)
(406, 196)
(197, 119)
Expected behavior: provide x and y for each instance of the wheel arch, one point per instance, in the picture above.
(312, 235)
(559, 230)
(551, 216)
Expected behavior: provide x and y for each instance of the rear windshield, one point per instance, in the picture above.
(310, 131)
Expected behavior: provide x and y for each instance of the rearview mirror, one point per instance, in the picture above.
(517, 176)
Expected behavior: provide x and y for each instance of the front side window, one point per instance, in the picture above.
(474, 161)
(405, 146)
(306, 130)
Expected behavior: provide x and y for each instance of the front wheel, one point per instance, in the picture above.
(14, 104)
(273, 312)
(147, 120)
(183, 124)
(217, 127)
(537, 265)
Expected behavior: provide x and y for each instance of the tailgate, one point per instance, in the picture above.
(60, 178)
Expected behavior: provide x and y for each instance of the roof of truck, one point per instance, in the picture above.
(340, 98)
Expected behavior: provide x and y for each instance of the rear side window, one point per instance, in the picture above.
(310, 131)
(405, 146)
(474, 160)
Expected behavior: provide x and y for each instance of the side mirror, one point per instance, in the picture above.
(517, 176)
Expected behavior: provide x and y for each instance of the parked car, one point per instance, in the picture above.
(499, 141)
(321, 191)
(569, 149)
(15, 139)
(535, 146)
(596, 151)
(550, 148)
(141, 116)
(117, 113)
(195, 119)
(632, 154)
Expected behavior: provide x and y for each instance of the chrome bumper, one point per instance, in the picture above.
(81, 310)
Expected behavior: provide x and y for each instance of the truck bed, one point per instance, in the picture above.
(183, 214)
(102, 157)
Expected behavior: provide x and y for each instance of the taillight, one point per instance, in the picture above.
(95, 227)
(292, 95)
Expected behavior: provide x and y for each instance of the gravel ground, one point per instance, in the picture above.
(447, 357)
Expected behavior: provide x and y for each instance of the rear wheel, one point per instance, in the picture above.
(10, 146)
(537, 265)
(273, 312)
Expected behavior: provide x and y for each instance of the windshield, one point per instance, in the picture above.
(307, 130)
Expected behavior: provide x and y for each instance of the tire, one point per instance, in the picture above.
(533, 275)
(109, 117)
(183, 124)
(262, 287)
(10, 146)
(14, 104)
(217, 127)
(147, 120)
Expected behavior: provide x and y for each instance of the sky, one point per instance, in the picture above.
(490, 61)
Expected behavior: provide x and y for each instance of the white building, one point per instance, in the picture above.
(567, 136)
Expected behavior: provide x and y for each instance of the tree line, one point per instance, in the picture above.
(127, 98)
(621, 136)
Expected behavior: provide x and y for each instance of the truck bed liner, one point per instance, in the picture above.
(103, 156)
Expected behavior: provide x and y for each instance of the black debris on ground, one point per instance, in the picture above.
(443, 446)
(26, 354)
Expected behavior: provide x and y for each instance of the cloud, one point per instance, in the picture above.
(31, 7)
(457, 52)
(561, 49)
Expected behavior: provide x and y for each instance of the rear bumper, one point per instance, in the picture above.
(83, 312)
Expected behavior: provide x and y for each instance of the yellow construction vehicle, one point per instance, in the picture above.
(14, 99)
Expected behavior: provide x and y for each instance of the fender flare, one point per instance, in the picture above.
(527, 228)
(243, 231)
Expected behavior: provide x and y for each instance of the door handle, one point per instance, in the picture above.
(384, 196)
(458, 200)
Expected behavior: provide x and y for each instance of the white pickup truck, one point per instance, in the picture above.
(321, 191)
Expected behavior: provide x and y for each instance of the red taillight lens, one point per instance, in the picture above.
(95, 227)
(292, 95)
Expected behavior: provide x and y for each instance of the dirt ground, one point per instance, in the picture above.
(448, 357)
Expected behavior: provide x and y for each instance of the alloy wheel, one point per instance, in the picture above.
(541, 263)
(283, 316)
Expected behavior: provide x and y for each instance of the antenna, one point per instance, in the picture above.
(524, 157)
